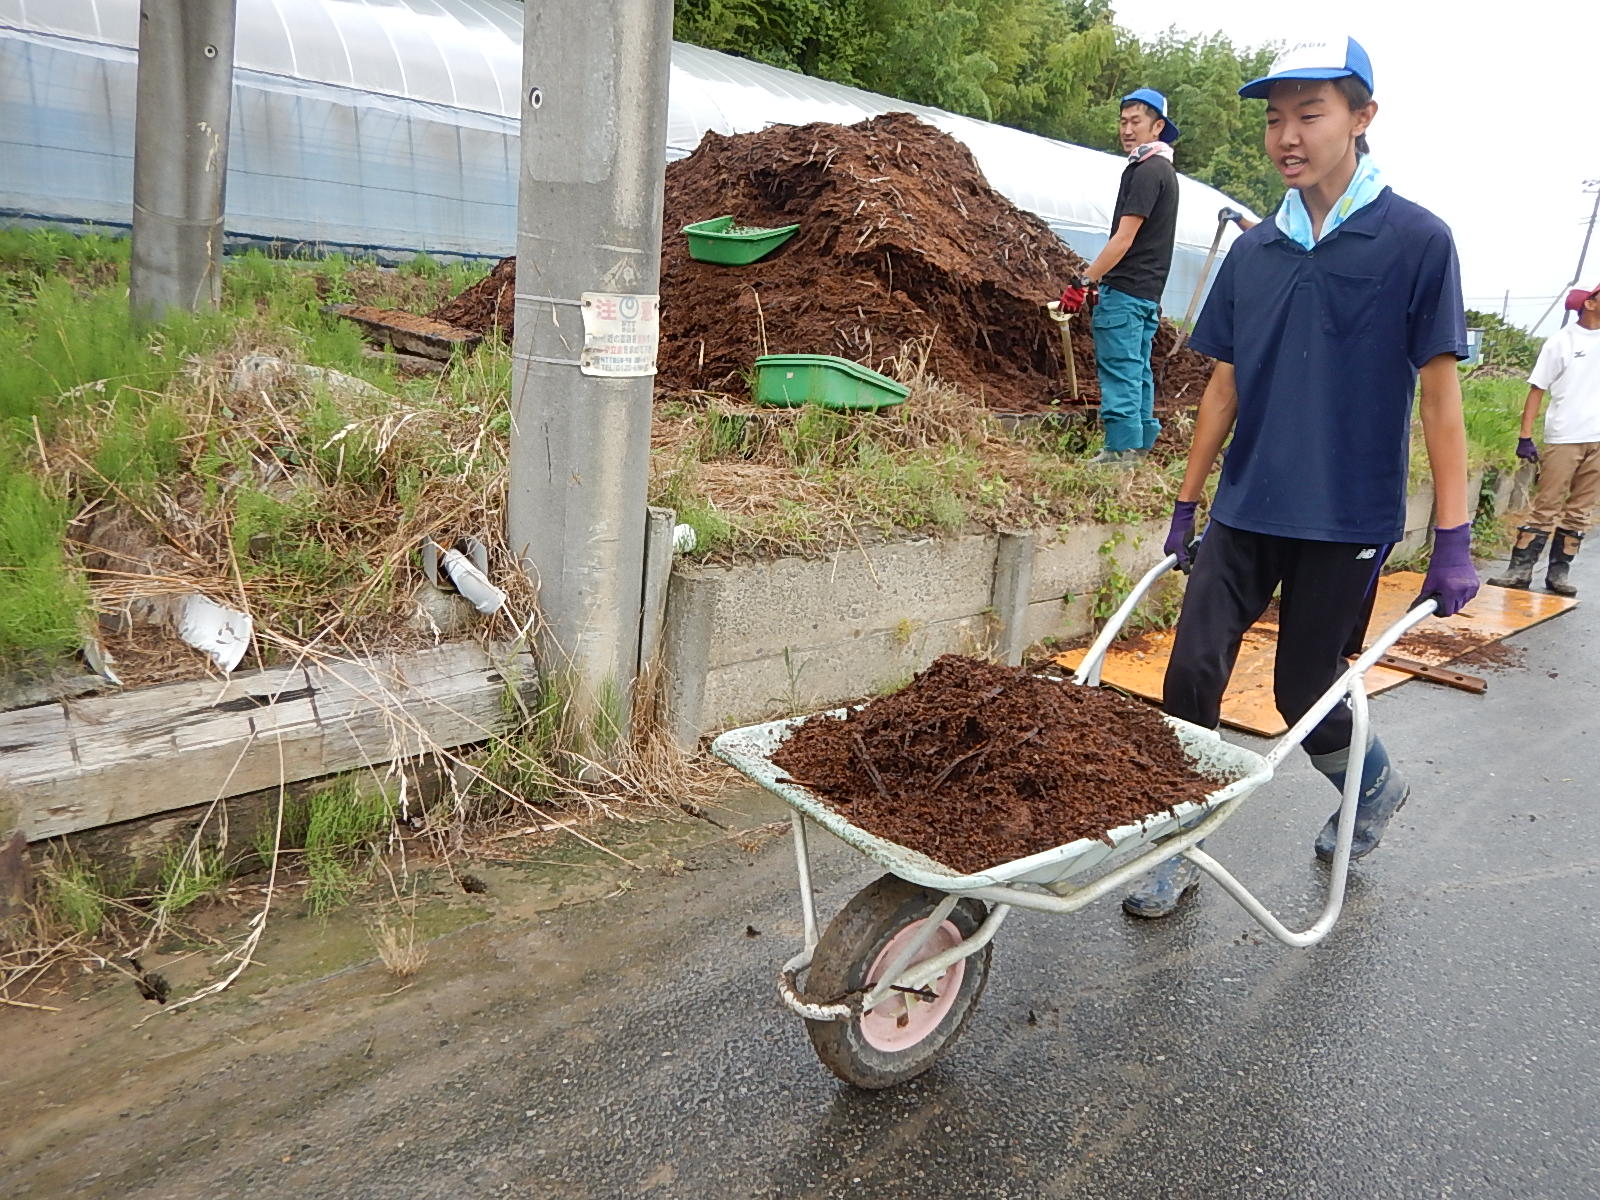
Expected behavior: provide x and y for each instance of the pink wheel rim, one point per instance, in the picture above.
(903, 1019)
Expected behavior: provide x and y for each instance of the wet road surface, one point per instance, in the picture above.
(1443, 1041)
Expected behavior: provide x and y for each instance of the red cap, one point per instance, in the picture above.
(1577, 296)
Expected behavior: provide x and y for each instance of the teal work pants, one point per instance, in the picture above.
(1124, 331)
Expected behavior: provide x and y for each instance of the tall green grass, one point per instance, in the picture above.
(1493, 410)
(67, 352)
(43, 252)
(42, 601)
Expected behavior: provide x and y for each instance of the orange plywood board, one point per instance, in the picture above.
(1139, 664)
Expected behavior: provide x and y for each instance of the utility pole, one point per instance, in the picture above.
(1589, 185)
(594, 128)
(180, 154)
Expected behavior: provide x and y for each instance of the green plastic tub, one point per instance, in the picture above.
(720, 241)
(790, 380)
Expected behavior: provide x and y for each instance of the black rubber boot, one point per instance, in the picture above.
(1160, 891)
(1383, 792)
(1524, 557)
(1563, 549)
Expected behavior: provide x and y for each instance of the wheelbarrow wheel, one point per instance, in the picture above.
(904, 1035)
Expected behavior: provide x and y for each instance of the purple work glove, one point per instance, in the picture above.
(1180, 534)
(1526, 450)
(1451, 580)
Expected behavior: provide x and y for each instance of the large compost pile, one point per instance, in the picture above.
(975, 765)
(902, 241)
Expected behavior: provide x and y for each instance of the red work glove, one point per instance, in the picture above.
(1079, 295)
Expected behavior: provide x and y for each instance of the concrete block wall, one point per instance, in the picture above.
(1419, 519)
(760, 640)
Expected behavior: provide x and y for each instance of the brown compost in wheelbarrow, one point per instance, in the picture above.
(975, 764)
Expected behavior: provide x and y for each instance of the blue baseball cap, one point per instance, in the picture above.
(1169, 132)
(1314, 58)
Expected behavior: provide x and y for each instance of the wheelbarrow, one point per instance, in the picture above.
(896, 976)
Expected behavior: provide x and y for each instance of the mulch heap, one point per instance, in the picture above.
(487, 305)
(974, 764)
(902, 241)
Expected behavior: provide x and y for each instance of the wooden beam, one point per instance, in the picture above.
(1456, 679)
(84, 763)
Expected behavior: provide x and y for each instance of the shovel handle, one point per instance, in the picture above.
(1063, 321)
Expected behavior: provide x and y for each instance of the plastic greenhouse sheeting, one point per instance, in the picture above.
(390, 126)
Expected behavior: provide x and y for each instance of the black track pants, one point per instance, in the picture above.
(1326, 600)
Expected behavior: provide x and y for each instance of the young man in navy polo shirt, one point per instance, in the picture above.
(1321, 321)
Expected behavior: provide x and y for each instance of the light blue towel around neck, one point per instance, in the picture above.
(1364, 187)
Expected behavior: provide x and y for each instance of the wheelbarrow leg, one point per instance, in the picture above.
(802, 861)
(1341, 851)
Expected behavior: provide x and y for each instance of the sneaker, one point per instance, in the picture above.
(1114, 458)
(1163, 889)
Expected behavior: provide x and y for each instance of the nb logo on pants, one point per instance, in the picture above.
(1369, 552)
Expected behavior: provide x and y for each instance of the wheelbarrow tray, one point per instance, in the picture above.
(749, 750)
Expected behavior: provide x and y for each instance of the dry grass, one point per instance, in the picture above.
(760, 481)
(299, 504)
(395, 937)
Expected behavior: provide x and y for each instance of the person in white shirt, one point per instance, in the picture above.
(1568, 369)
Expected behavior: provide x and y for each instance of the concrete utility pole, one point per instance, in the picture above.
(594, 127)
(180, 154)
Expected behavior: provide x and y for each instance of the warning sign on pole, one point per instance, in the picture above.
(620, 335)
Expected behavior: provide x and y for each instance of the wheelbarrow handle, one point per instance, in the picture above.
(1350, 680)
(1088, 672)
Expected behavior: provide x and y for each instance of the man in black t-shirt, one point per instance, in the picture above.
(1131, 272)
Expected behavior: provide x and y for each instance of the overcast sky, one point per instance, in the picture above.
(1485, 116)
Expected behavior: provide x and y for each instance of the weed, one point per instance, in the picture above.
(726, 435)
(1491, 532)
(790, 702)
(75, 896)
(286, 830)
(712, 530)
(1116, 583)
(524, 761)
(344, 823)
(895, 683)
(818, 436)
(188, 876)
(1492, 409)
(42, 601)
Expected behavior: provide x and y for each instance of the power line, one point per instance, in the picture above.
(1589, 185)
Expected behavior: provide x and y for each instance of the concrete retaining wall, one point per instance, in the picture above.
(757, 641)
(768, 639)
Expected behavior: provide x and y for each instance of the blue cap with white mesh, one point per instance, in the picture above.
(1314, 58)
(1157, 101)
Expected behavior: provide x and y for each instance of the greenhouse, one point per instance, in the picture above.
(391, 128)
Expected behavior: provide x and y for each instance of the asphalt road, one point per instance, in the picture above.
(1441, 1043)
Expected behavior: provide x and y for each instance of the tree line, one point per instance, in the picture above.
(1052, 67)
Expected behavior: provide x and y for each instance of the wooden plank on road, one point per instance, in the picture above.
(1138, 664)
(85, 763)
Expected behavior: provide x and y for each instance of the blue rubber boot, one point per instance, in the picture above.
(1163, 889)
(1383, 792)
